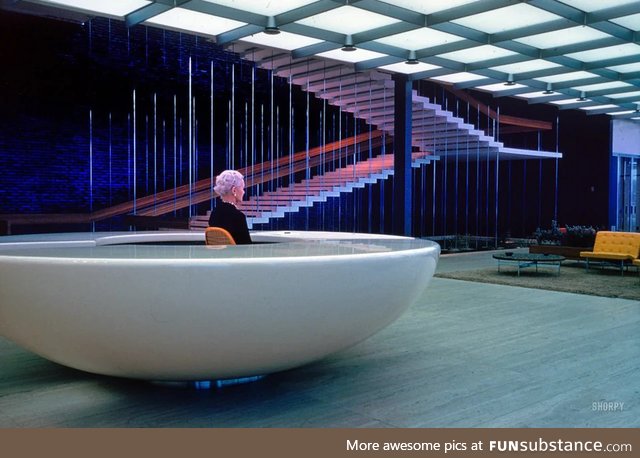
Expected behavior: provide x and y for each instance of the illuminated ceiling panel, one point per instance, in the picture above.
(610, 52)
(526, 66)
(618, 113)
(497, 87)
(596, 5)
(403, 67)
(573, 76)
(419, 39)
(627, 68)
(283, 40)
(429, 7)
(508, 18)
(563, 37)
(631, 22)
(112, 8)
(598, 107)
(625, 95)
(568, 101)
(359, 55)
(192, 21)
(477, 54)
(348, 20)
(458, 77)
(602, 86)
(265, 7)
(534, 95)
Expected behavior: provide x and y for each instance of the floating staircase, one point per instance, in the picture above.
(369, 95)
(261, 208)
(436, 132)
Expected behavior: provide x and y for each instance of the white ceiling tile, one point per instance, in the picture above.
(193, 21)
(112, 8)
(598, 107)
(563, 37)
(595, 5)
(359, 55)
(630, 22)
(347, 20)
(617, 113)
(602, 86)
(429, 7)
(568, 101)
(526, 66)
(419, 39)
(533, 95)
(497, 87)
(283, 40)
(610, 52)
(477, 54)
(562, 77)
(461, 77)
(626, 68)
(402, 67)
(624, 95)
(508, 18)
(264, 7)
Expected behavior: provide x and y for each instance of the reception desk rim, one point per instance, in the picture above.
(26, 247)
(42, 314)
(121, 238)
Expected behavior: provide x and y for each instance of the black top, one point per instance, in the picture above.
(233, 220)
(529, 257)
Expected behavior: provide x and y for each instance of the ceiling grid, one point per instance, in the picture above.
(575, 54)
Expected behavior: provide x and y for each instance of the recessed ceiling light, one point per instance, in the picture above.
(271, 28)
(348, 44)
(412, 60)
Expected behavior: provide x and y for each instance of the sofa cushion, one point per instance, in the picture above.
(606, 255)
(622, 243)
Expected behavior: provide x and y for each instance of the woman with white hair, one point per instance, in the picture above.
(230, 188)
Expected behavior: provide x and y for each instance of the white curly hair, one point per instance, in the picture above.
(227, 180)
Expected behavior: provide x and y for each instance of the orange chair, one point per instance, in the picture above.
(218, 236)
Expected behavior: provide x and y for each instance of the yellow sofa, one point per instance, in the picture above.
(621, 248)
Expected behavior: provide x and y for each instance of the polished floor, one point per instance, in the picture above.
(466, 355)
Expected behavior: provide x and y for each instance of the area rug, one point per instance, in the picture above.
(573, 278)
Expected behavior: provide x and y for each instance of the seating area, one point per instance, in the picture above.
(619, 248)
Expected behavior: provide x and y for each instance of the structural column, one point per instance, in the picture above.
(402, 189)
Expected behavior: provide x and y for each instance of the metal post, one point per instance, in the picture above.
(402, 156)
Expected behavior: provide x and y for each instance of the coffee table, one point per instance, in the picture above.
(524, 260)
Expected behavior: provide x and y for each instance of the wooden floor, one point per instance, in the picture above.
(466, 355)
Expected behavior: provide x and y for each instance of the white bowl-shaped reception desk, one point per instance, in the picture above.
(163, 306)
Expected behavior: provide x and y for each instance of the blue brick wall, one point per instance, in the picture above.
(66, 117)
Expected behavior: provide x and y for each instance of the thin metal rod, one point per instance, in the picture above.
(175, 153)
(155, 151)
(135, 186)
(497, 184)
(90, 161)
(211, 114)
(190, 139)
(555, 206)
